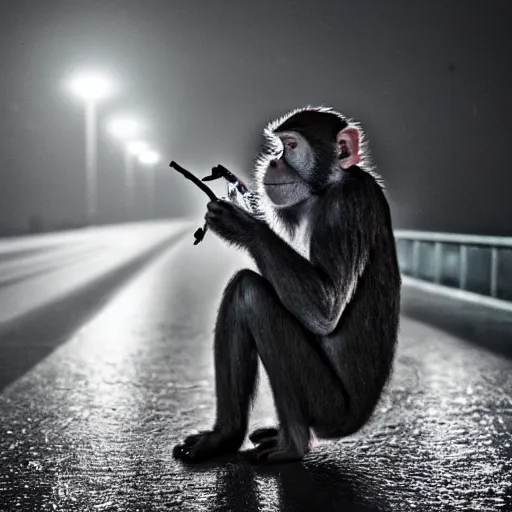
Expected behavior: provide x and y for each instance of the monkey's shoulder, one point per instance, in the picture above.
(358, 179)
(357, 190)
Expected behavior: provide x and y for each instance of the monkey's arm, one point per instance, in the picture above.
(316, 291)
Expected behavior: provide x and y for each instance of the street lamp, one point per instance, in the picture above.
(91, 88)
(150, 159)
(125, 128)
(133, 148)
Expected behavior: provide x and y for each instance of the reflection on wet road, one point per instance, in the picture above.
(52, 286)
(92, 426)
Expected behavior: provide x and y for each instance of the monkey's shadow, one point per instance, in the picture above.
(313, 484)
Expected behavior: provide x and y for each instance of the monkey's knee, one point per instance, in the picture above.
(247, 288)
(243, 278)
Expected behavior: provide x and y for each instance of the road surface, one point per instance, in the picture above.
(104, 384)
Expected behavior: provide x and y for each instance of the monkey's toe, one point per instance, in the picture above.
(279, 455)
(272, 452)
(194, 438)
(180, 451)
(258, 435)
(206, 445)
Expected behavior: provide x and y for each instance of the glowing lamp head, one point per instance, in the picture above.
(149, 158)
(91, 87)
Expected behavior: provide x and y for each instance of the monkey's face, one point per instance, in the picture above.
(306, 152)
(289, 176)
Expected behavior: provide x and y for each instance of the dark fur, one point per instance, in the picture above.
(326, 372)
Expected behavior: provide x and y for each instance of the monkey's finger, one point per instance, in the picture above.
(210, 218)
(215, 206)
(213, 219)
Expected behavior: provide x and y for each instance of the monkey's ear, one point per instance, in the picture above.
(347, 141)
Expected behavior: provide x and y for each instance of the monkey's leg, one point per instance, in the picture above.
(252, 321)
(302, 380)
(235, 377)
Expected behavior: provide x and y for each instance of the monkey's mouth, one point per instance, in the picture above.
(285, 183)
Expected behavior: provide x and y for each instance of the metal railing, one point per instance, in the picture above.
(479, 264)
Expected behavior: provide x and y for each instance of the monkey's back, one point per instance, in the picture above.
(362, 347)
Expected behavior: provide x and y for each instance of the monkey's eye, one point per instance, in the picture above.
(290, 143)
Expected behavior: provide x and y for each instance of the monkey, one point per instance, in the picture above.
(322, 312)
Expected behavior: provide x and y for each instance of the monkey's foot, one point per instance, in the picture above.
(273, 452)
(261, 434)
(272, 448)
(206, 445)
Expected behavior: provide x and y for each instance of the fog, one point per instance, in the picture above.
(430, 81)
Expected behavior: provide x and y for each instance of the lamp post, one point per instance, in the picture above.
(133, 149)
(150, 158)
(124, 128)
(91, 88)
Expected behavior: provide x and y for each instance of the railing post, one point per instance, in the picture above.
(494, 272)
(463, 270)
(437, 262)
(415, 257)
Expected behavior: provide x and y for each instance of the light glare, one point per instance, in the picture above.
(124, 128)
(91, 87)
(149, 158)
(137, 147)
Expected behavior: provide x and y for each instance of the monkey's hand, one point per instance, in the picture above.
(232, 223)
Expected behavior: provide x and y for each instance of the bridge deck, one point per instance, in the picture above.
(91, 421)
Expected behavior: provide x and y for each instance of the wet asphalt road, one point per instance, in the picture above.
(89, 422)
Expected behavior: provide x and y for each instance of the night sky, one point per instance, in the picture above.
(430, 81)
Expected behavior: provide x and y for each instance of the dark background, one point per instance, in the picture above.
(430, 81)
